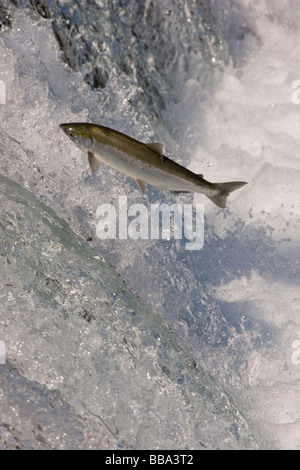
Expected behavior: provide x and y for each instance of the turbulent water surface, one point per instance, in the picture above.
(141, 343)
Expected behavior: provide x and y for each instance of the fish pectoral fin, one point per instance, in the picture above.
(94, 163)
(142, 185)
(157, 147)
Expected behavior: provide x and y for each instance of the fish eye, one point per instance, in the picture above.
(71, 133)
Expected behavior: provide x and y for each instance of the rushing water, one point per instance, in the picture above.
(208, 342)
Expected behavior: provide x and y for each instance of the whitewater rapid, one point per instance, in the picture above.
(234, 304)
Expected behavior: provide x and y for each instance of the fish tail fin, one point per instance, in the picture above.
(225, 189)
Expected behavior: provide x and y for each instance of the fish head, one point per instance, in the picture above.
(80, 134)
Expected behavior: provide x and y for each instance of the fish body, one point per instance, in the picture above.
(144, 162)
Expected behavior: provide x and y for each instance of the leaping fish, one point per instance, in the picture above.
(145, 162)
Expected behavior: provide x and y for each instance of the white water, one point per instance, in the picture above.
(252, 132)
(235, 303)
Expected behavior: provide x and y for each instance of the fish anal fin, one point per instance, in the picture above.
(142, 185)
(94, 163)
(156, 147)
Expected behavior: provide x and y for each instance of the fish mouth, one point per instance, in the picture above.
(76, 129)
(70, 130)
(65, 127)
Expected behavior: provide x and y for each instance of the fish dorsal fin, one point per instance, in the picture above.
(200, 176)
(156, 147)
(142, 185)
(94, 163)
